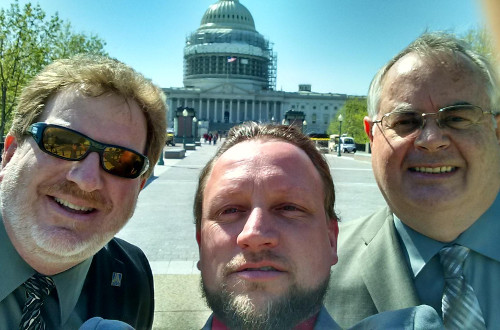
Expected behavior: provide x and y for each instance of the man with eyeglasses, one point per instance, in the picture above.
(85, 137)
(436, 160)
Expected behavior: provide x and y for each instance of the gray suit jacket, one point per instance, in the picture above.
(372, 275)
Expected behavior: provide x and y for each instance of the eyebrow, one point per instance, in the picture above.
(405, 107)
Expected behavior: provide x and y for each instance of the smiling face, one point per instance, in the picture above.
(57, 212)
(264, 231)
(438, 180)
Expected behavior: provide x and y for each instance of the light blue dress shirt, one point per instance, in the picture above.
(481, 268)
(60, 311)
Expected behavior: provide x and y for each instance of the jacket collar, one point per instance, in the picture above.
(384, 265)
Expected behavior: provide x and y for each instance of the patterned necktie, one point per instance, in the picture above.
(460, 306)
(37, 287)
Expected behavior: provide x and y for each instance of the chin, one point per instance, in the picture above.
(69, 245)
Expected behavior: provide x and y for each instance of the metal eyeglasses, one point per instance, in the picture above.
(459, 117)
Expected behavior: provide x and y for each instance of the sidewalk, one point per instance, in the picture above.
(163, 214)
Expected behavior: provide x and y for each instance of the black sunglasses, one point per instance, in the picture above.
(65, 143)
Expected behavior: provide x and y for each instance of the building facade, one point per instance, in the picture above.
(230, 77)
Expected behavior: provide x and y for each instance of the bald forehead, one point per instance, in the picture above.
(455, 64)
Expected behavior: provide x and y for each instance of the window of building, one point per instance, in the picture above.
(314, 118)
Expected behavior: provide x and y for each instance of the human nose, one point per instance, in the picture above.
(258, 232)
(86, 173)
(431, 136)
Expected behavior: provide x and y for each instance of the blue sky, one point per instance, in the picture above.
(334, 45)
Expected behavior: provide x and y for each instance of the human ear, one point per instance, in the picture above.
(333, 234)
(10, 146)
(368, 124)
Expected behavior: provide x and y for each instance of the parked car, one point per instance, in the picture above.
(347, 144)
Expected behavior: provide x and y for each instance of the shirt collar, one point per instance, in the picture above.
(18, 271)
(480, 237)
(307, 324)
(68, 283)
(420, 248)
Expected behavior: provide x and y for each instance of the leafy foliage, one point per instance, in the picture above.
(353, 112)
(480, 41)
(29, 40)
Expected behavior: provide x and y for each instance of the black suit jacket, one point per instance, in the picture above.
(119, 285)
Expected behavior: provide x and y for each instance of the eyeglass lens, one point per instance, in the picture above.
(73, 146)
(456, 117)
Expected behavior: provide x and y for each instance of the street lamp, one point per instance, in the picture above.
(304, 126)
(340, 134)
(184, 114)
(194, 129)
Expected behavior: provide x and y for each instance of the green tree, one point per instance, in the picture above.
(353, 112)
(480, 41)
(29, 40)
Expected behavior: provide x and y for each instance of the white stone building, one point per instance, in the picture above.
(230, 77)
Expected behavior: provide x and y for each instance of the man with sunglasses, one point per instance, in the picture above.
(85, 137)
(436, 160)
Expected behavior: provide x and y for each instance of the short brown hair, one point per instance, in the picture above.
(253, 131)
(93, 76)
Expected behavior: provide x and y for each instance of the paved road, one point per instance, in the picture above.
(163, 222)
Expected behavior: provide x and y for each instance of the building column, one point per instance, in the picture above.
(231, 120)
(253, 111)
(238, 115)
(246, 110)
(260, 111)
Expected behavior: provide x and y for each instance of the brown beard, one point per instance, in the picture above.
(285, 312)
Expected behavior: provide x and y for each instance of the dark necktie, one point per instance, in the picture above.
(37, 287)
(460, 306)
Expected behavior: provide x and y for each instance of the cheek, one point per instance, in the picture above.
(312, 256)
(216, 250)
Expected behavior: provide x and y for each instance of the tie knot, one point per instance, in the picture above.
(39, 285)
(452, 258)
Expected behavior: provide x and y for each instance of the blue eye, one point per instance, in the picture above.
(230, 210)
(289, 208)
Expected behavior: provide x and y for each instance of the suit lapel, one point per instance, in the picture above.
(385, 271)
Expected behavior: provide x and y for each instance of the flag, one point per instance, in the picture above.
(231, 59)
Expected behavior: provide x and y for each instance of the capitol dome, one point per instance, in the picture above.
(228, 14)
(227, 50)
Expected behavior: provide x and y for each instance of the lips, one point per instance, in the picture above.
(263, 269)
(259, 267)
(433, 170)
(72, 207)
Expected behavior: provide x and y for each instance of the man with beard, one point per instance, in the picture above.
(267, 234)
(61, 207)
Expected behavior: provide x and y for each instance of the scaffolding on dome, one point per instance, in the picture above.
(271, 70)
